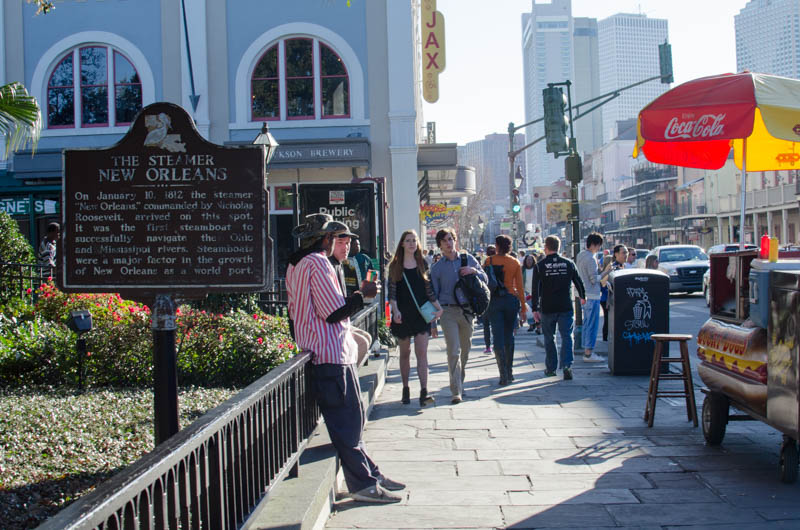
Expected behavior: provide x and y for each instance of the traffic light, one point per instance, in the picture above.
(555, 120)
(573, 168)
(665, 62)
(515, 205)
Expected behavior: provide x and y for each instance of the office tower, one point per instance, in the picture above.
(768, 37)
(628, 51)
(588, 129)
(547, 57)
(489, 157)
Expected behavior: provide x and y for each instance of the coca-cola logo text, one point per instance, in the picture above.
(706, 126)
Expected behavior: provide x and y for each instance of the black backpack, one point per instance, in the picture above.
(474, 289)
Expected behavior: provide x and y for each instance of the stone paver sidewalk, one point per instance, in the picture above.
(544, 453)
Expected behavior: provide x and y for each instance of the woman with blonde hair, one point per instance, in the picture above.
(410, 287)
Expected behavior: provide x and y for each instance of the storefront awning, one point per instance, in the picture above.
(438, 163)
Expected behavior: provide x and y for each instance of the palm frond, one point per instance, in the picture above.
(20, 118)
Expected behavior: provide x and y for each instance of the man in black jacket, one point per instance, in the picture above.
(552, 277)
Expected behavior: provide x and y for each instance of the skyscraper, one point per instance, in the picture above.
(768, 37)
(489, 157)
(547, 57)
(628, 51)
(589, 129)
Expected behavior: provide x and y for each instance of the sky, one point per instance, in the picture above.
(480, 90)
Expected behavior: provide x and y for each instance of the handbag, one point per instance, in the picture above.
(427, 310)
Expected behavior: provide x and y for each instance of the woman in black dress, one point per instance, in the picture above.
(409, 268)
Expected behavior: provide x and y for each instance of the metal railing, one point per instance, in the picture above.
(276, 301)
(19, 277)
(368, 319)
(213, 473)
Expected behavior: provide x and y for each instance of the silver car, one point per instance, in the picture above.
(685, 265)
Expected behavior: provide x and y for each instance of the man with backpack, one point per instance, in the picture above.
(457, 320)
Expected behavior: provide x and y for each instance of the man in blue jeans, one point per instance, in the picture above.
(588, 271)
(552, 278)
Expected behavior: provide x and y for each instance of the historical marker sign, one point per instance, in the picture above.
(164, 210)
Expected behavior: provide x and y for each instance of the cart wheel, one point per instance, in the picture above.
(788, 464)
(715, 418)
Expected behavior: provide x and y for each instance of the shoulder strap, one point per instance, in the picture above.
(411, 291)
(463, 259)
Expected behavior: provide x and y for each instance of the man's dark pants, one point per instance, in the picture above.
(338, 394)
(565, 322)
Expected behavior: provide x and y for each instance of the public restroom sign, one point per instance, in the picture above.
(165, 211)
(433, 53)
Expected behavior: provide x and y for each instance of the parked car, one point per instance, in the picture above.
(685, 265)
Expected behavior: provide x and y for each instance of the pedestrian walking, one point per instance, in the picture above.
(631, 260)
(456, 320)
(49, 245)
(605, 268)
(506, 307)
(487, 327)
(528, 263)
(586, 263)
(651, 262)
(620, 260)
(551, 283)
(321, 324)
(410, 288)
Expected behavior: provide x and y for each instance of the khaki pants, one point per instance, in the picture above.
(458, 337)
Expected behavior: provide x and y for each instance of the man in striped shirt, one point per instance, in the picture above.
(321, 321)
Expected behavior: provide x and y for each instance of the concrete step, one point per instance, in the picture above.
(304, 502)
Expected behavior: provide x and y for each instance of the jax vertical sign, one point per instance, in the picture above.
(433, 56)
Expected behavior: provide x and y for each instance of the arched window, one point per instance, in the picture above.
(304, 76)
(85, 95)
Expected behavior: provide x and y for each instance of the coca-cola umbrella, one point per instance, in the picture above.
(696, 124)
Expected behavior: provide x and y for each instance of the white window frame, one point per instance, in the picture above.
(244, 73)
(53, 56)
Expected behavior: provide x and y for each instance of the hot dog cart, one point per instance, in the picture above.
(749, 349)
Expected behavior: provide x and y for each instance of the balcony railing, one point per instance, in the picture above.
(779, 195)
(611, 225)
(647, 172)
(603, 197)
(635, 221)
(663, 221)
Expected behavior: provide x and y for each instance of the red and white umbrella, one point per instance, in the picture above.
(696, 124)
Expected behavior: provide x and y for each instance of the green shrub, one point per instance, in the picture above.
(14, 248)
(231, 349)
(213, 349)
(35, 351)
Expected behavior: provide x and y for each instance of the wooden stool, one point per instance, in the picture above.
(656, 376)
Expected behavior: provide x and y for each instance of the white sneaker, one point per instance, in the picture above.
(593, 358)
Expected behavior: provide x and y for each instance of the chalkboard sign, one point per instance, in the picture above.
(164, 210)
(639, 307)
(351, 204)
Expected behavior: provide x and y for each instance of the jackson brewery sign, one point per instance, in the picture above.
(164, 211)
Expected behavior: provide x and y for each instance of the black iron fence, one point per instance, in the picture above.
(19, 279)
(276, 301)
(213, 473)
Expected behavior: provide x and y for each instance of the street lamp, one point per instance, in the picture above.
(518, 177)
(267, 140)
